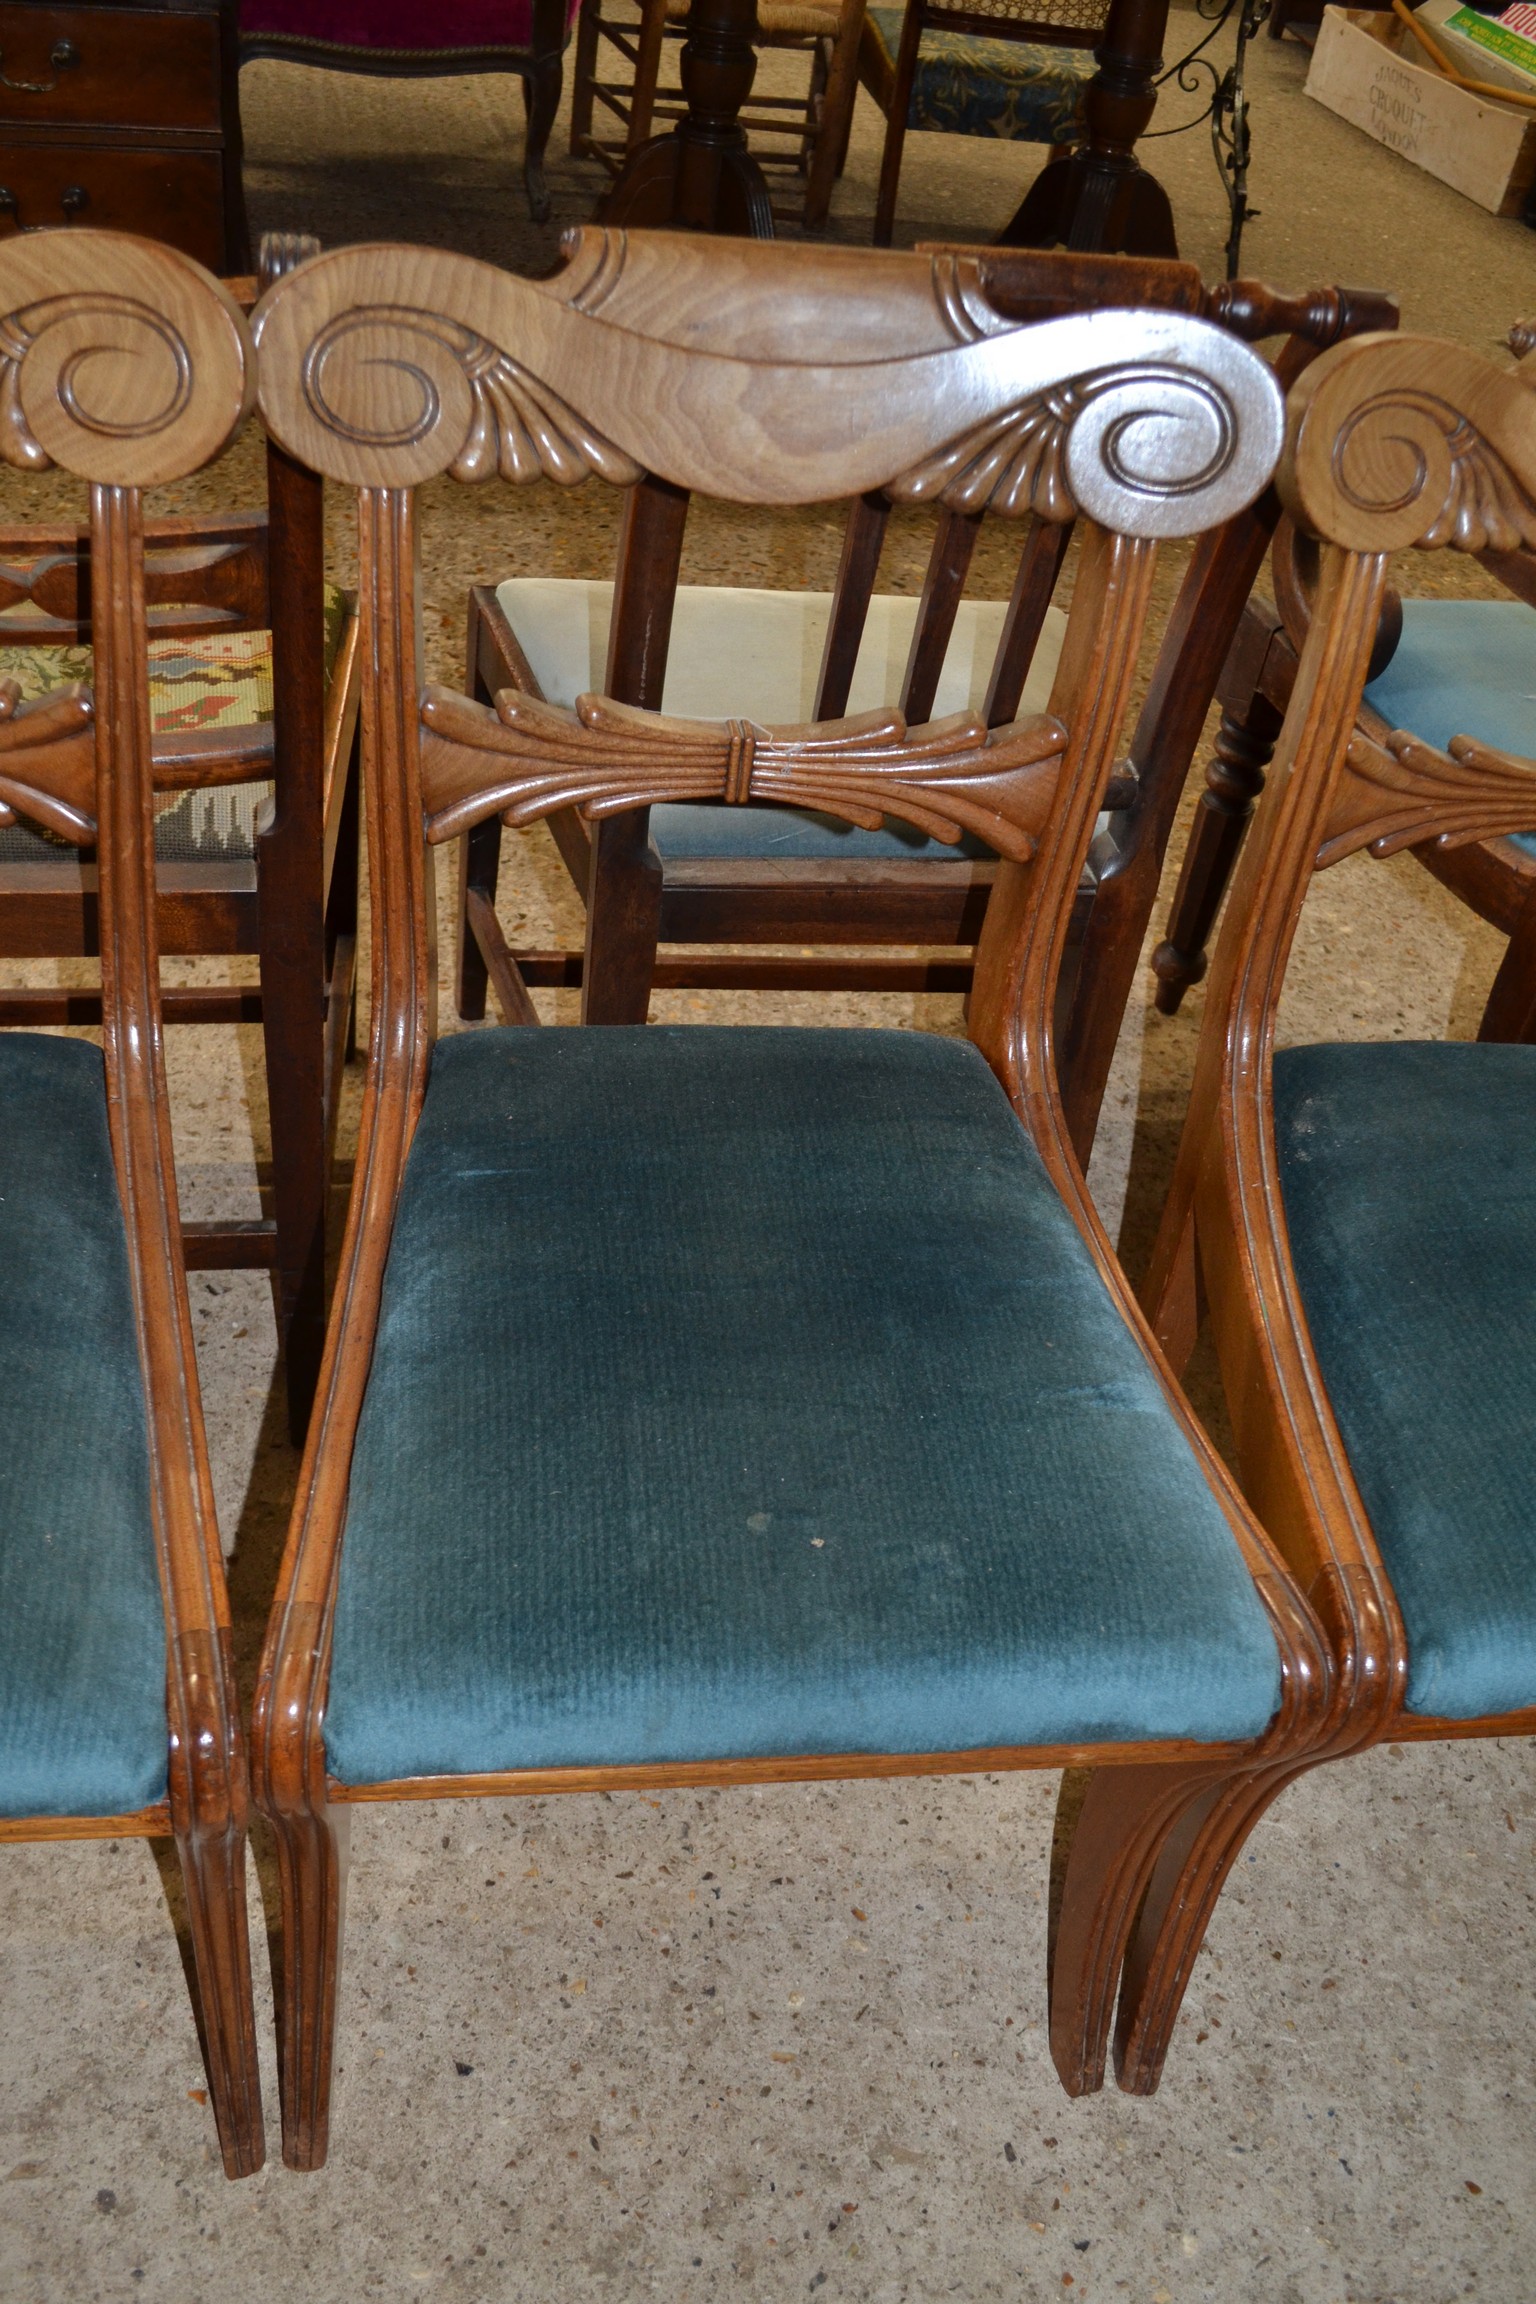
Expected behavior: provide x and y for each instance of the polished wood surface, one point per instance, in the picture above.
(1393, 443)
(125, 119)
(130, 368)
(724, 375)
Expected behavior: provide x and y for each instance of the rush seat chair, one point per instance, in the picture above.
(130, 367)
(710, 1405)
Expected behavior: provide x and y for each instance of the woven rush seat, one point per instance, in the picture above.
(1464, 668)
(221, 680)
(1410, 1194)
(82, 1628)
(970, 85)
(742, 653)
(599, 1512)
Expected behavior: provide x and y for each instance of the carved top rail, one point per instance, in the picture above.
(841, 371)
(101, 335)
(527, 758)
(1397, 441)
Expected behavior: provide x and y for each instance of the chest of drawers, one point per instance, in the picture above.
(126, 117)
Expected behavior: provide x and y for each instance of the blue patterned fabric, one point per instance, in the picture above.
(82, 1629)
(1464, 668)
(1409, 1174)
(966, 85)
(746, 1392)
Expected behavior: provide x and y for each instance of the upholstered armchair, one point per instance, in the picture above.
(398, 38)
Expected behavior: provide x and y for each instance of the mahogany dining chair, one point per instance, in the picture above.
(636, 1460)
(1360, 1217)
(127, 365)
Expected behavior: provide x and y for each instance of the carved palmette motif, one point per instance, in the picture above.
(510, 424)
(1404, 793)
(528, 758)
(1472, 499)
(48, 762)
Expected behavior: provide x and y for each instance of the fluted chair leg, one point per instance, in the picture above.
(213, 1874)
(311, 1854)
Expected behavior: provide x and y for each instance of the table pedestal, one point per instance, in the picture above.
(700, 175)
(1099, 197)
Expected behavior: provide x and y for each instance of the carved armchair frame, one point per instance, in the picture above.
(384, 367)
(1393, 443)
(130, 366)
(635, 900)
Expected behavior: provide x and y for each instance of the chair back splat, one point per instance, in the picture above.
(1359, 1215)
(125, 364)
(767, 375)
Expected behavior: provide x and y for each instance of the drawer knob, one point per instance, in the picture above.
(63, 56)
(72, 199)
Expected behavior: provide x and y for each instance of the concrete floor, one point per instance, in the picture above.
(790, 2042)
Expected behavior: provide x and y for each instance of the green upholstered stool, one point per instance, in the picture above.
(746, 1392)
(223, 680)
(1464, 668)
(969, 85)
(1409, 1174)
(82, 1629)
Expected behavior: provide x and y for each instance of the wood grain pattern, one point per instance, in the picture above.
(384, 367)
(1403, 793)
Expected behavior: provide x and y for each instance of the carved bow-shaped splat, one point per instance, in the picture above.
(1403, 793)
(48, 761)
(528, 758)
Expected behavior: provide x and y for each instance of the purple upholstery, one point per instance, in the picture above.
(394, 23)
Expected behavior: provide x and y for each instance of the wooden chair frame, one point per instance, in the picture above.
(1393, 443)
(818, 127)
(920, 903)
(1495, 877)
(294, 904)
(606, 355)
(89, 319)
(539, 66)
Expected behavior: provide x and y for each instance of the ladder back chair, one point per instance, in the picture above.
(693, 875)
(254, 685)
(816, 125)
(634, 1462)
(1438, 667)
(1359, 1216)
(127, 365)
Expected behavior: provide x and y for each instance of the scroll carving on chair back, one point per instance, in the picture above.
(1400, 442)
(384, 367)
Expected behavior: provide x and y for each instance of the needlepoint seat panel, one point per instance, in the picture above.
(1410, 1194)
(746, 1392)
(738, 652)
(967, 85)
(82, 1628)
(1464, 668)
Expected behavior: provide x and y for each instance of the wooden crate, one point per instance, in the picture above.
(1364, 68)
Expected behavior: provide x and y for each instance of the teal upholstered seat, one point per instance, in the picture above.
(969, 85)
(1409, 1174)
(82, 1629)
(1464, 668)
(751, 1392)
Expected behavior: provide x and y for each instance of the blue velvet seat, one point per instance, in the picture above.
(1409, 1174)
(751, 1392)
(82, 1628)
(1464, 668)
